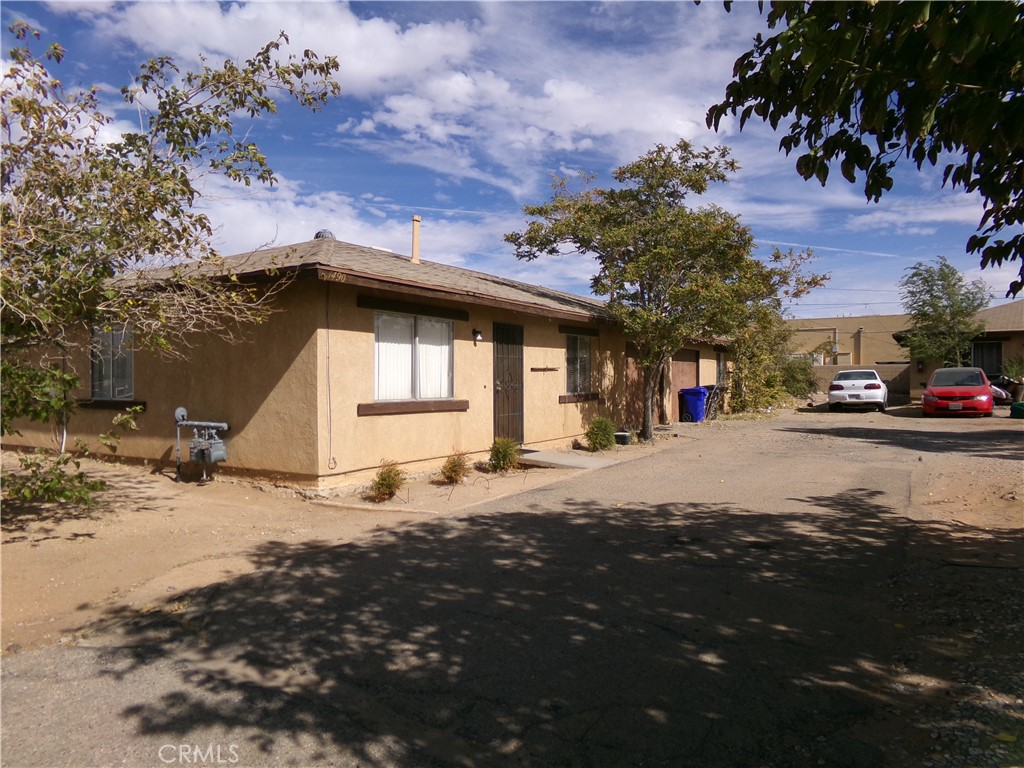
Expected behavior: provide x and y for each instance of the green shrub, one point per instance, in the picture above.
(1014, 367)
(798, 377)
(455, 468)
(504, 455)
(46, 477)
(388, 481)
(601, 434)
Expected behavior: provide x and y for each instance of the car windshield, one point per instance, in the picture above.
(957, 378)
(857, 376)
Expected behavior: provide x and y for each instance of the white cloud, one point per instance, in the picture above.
(465, 105)
(254, 218)
(500, 94)
(918, 216)
(375, 54)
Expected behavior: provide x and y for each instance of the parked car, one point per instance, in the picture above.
(858, 388)
(957, 390)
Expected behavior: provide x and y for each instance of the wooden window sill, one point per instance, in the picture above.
(581, 398)
(411, 406)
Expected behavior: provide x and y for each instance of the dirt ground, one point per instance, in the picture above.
(937, 681)
(150, 537)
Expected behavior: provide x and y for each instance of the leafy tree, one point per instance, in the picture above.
(867, 83)
(103, 233)
(798, 377)
(943, 309)
(672, 274)
(766, 372)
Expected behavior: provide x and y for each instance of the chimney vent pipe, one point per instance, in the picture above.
(416, 239)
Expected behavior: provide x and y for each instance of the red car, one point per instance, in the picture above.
(957, 390)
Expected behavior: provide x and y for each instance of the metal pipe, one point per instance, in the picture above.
(218, 425)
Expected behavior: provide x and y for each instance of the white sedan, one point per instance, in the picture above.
(857, 388)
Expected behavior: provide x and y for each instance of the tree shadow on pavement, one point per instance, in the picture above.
(992, 443)
(679, 634)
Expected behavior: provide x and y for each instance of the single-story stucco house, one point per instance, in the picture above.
(372, 355)
(1002, 340)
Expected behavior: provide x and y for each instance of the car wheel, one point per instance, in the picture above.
(881, 407)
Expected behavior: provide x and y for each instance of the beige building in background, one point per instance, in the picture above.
(871, 341)
(850, 341)
(370, 356)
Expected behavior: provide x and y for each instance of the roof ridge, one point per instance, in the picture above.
(325, 243)
(389, 266)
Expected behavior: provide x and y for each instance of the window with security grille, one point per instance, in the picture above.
(577, 365)
(413, 357)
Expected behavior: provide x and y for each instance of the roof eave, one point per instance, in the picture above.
(332, 274)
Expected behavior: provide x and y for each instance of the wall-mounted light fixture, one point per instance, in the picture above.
(478, 335)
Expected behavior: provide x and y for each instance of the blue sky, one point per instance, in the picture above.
(462, 112)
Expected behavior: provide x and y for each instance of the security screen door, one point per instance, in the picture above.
(508, 381)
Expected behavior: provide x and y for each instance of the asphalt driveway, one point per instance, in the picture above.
(728, 601)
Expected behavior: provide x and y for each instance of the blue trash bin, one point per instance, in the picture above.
(693, 403)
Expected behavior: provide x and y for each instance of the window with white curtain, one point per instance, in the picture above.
(112, 364)
(577, 365)
(413, 357)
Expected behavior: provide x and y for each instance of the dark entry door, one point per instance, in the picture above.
(988, 355)
(508, 381)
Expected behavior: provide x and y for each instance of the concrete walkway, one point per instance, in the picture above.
(563, 460)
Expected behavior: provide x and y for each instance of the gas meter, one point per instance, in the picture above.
(206, 445)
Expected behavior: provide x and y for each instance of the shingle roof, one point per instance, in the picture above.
(1008, 317)
(1002, 319)
(384, 269)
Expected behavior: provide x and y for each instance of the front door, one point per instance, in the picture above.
(508, 381)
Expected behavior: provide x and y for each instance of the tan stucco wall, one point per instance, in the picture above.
(861, 340)
(351, 443)
(290, 392)
(264, 388)
(897, 378)
(1012, 342)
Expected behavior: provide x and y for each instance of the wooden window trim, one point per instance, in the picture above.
(585, 397)
(410, 308)
(411, 406)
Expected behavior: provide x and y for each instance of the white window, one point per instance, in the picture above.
(112, 365)
(413, 357)
(577, 365)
